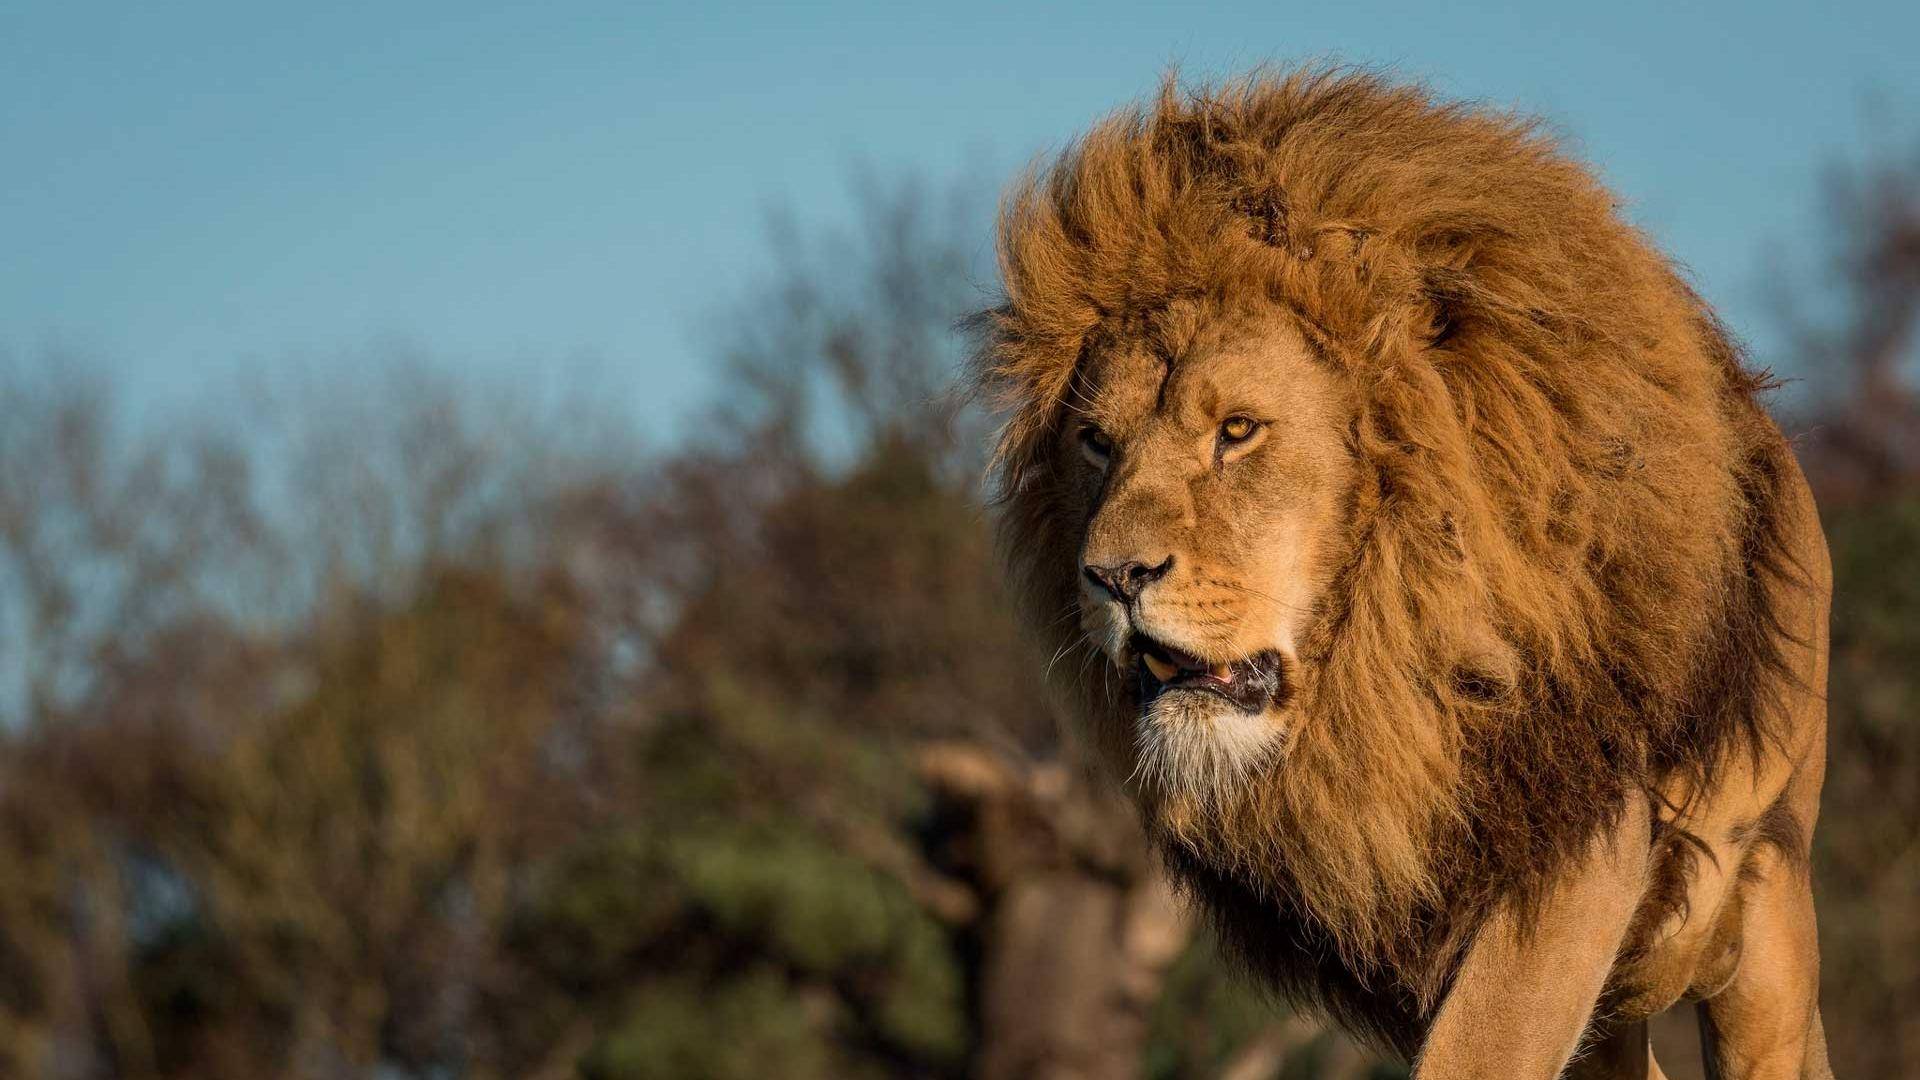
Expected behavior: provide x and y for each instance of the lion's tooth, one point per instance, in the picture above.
(1160, 668)
(1223, 672)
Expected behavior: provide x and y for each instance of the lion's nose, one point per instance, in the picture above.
(1126, 581)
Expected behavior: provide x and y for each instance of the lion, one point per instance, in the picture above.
(1410, 541)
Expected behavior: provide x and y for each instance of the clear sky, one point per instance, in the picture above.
(193, 190)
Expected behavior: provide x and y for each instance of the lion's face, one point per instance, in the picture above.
(1214, 468)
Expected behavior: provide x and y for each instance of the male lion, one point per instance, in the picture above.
(1410, 539)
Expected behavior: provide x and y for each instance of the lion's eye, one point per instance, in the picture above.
(1236, 429)
(1097, 443)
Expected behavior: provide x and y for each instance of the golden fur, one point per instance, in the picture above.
(1552, 591)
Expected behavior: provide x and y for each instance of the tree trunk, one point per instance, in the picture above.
(1077, 925)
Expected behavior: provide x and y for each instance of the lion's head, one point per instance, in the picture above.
(1214, 492)
(1380, 494)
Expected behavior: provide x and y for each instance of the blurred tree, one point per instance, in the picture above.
(841, 666)
(1859, 337)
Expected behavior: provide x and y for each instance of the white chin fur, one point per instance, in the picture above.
(1195, 745)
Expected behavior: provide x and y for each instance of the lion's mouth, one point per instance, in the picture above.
(1250, 684)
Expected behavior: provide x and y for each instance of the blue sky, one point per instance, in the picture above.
(545, 192)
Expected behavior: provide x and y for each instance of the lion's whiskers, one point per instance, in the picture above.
(1283, 605)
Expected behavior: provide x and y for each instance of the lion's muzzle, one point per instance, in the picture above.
(1251, 684)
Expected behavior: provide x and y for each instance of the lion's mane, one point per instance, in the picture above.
(1560, 558)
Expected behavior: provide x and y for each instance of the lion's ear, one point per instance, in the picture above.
(1446, 283)
(1443, 294)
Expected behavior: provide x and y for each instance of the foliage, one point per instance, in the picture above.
(1867, 849)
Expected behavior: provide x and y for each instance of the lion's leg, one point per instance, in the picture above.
(1524, 993)
(1766, 1023)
